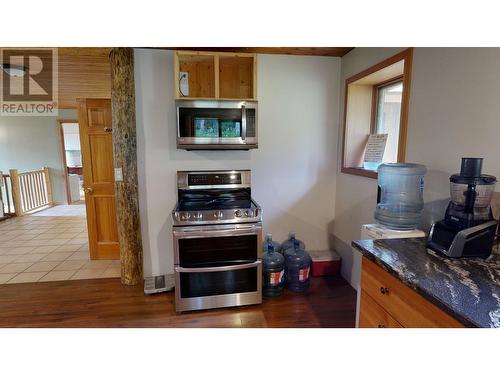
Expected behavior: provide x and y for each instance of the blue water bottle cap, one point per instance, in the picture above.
(270, 247)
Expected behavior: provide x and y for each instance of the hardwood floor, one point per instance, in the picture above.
(330, 302)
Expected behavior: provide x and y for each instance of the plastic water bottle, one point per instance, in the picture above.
(273, 272)
(297, 268)
(267, 241)
(400, 203)
(289, 244)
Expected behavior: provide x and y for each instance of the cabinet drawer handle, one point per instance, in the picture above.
(384, 290)
(381, 326)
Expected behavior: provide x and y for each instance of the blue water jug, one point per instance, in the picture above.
(289, 244)
(267, 241)
(273, 272)
(297, 268)
(400, 200)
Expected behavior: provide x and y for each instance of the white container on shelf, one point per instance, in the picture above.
(378, 232)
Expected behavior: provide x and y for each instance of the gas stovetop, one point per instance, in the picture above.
(215, 197)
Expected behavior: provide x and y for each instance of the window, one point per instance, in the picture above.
(376, 102)
(387, 115)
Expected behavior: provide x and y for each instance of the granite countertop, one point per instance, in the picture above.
(467, 288)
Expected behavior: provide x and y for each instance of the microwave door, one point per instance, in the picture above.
(212, 125)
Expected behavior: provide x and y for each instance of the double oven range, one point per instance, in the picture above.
(217, 232)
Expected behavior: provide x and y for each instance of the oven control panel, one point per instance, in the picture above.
(189, 180)
(214, 179)
(220, 216)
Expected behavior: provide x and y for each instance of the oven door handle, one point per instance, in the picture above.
(219, 269)
(195, 232)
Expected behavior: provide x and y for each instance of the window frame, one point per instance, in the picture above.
(407, 56)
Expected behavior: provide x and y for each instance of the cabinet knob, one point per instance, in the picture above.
(381, 326)
(384, 290)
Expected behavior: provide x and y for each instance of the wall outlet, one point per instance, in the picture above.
(184, 83)
(118, 174)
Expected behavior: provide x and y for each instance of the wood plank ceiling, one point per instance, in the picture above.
(311, 51)
(83, 73)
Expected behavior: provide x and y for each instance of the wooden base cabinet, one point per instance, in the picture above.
(387, 303)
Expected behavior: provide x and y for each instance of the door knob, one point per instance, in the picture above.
(384, 290)
(88, 190)
(108, 130)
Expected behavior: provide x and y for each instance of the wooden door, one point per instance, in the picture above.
(94, 117)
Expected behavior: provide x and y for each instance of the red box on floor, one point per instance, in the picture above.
(325, 262)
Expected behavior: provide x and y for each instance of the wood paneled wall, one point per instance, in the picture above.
(83, 73)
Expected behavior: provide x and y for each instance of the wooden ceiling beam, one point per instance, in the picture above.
(308, 51)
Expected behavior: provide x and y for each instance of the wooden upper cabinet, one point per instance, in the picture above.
(211, 75)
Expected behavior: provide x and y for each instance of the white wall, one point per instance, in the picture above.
(293, 168)
(71, 136)
(30, 143)
(453, 112)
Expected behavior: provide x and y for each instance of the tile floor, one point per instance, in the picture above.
(50, 245)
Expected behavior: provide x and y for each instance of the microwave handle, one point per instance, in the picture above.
(243, 122)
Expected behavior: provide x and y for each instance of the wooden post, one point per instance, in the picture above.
(48, 185)
(125, 158)
(16, 192)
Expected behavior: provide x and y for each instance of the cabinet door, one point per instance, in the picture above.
(401, 302)
(373, 316)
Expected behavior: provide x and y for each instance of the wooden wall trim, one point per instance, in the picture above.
(125, 157)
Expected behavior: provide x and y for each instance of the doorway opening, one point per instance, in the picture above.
(52, 243)
(72, 161)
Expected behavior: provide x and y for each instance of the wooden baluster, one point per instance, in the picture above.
(27, 191)
(35, 190)
(16, 192)
(50, 200)
(8, 194)
(39, 181)
(44, 190)
(40, 202)
(24, 195)
(31, 198)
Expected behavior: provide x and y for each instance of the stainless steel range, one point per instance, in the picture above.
(217, 231)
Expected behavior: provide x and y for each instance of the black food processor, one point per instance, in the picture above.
(468, 228)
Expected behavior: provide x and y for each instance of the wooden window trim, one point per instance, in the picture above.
(407, 56)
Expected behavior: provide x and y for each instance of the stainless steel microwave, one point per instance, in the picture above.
(216, 124)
